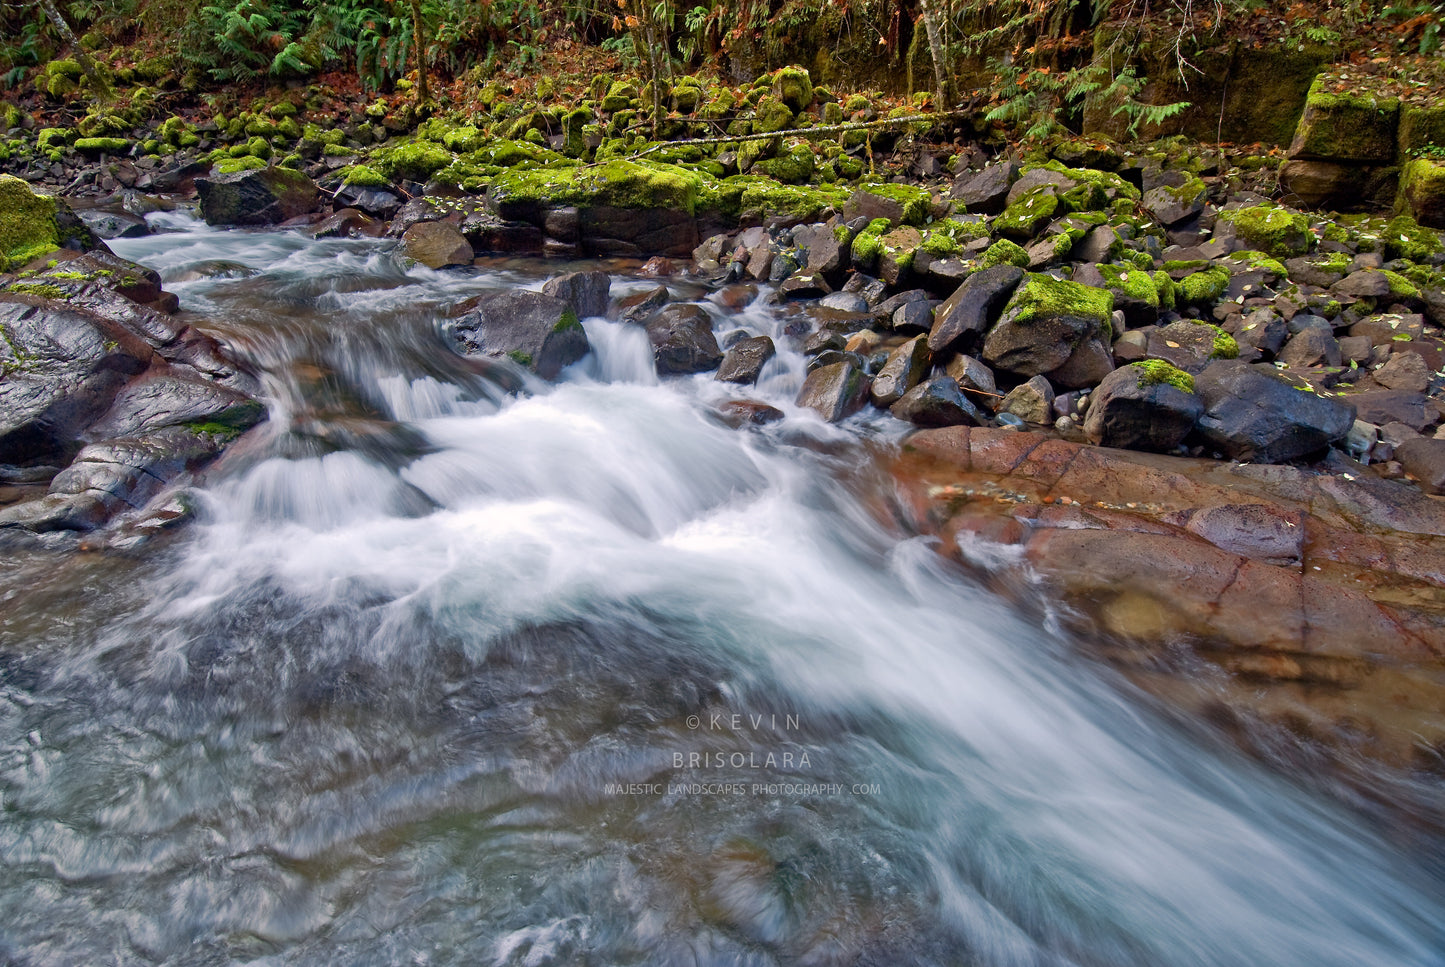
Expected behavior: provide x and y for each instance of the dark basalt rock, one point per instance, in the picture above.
(745, 360)
(1253, 414)
(1131, 412)
(264, 196)
(682, 340)
(938, 402)
(535, 330)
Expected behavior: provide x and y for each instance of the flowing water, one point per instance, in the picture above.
(445, 674)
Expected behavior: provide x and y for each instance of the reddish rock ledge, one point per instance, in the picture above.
(1310, 599)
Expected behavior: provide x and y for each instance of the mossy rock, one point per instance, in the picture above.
(28, 227)
(1045, 320)
(245, 162)
(619, 96)
(98, 146)
(795, 167)
(1004, 252)
(1346, 127)
(1133, 284)
(1422, 192)
(1154, 372)
(1203, 288)
(1421, 128)
(772, 115)
(1275, 231)
(794, 88)
(741, 194)
(1404, 238)
(416, 160)
(900, 204)
(720, 104)
(618, 184)
(1251, 260)
(51, 138)
(1023, 219)
(101, 125)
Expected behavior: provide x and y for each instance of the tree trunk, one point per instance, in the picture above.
(97, 82)
(418, 40)
(935, 50)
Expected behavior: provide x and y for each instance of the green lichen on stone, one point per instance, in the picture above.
(868, 244)
(1153, 372)
(1405, 239)
(1166, 289)
(1134, 283)
(39, 289)
(770, 198)
(1275, 231)
(1225, 346)
(27, 224)
(1400, 287)
(1004, 252)
(569, 321)
(1034, 209)
(1203, 287)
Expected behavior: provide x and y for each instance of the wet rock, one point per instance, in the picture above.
(938, 402)
(1393, 406)
(265, 196)
(835, 391)
(108, 225)
(1089, 363)
(586, 292)
(437, 245)
(1188, 345)
(827, 254)
(972, 376)
(63, 368)
(637, 306)
(971, 309)
(904, 369)
(1365, 283)
(844, 302)
(1251, 414)
(348, 223)
(738, 413)
(1032, 402)
(376, 202)
(745, 359)
(682, 340)
(911, 317)
(1142, 407)
(535, 330)
(174, 398)
(803, 285)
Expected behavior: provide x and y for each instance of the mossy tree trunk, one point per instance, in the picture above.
(418, 40)
(935, 49)
(98, 82)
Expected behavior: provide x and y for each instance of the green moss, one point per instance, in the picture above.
(1153, 372)
(795, 167)
(1034, 209)
(1085, 197)
(243, 163)
(916, 202)
(1401, 287)
(1275, 231)
(939, 245)
(771, 115)
(363, 177)
(568, 322)
(1004, 252)
(211, 427)
(1134, 283)
(64, 68)
(1224, 345)
(39, 289)
(1106, 180)
(415, 160)
(1260, 262)
(1405, 239)
(620, 184)
(1043, 296)
(521, 358)
(51, 138)
(1203, 287)
(793, 88)
(102, 145)
(27, 224)
(868, 244)
(1166, 289)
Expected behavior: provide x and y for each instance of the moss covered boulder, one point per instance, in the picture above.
(1275, 231)
(33, 225)
(900, 204)
(1346, 127)
(1044, 322)
(1422, 192)
(265, 196)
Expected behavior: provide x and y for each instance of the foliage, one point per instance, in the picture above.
(1038, 96)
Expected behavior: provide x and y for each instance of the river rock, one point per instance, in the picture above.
(835, 391)
(904, 368)
(1424, 460)
(586, 292)
(745, 360)
(1404, 371)
(437, 245)
(264, 196)
(63, 367)
(1311, 346)
(1137, 407)
(682, 340)
(534, 329)
(108, 225)
(1032, 402)
(938, 402)
(1043, 323)
(972, 307)
(985, 191)
(1253, 414)
(175, 398)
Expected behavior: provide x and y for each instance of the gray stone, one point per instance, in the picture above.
(986, 191)
(1253, 414)
(535, 330)
(437, 245)
(585, 292)
(264, 196)
(938, 402)
(904, 369)
(836, 391)
(745, 359)
(1311, 346)
(682, 340)
(1130, 412)
(1032, 402)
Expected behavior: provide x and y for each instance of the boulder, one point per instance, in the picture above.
(1250, 413)
(1044, 322)
(586, 292)
(1032, 402)
(1346, 127)
(682, 340)
(262, 196)
(437, 245)
(938, 402)
(535, 330)
(835, 391)
(745, 359)
(1143, 406)
(173, 397)
(985, 191)
(971, 309)
(1424, 459)
(33, 225)
(1422, 191)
